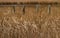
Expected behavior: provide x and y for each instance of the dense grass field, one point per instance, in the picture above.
(29, 24)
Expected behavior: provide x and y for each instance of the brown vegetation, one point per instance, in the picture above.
(31, 24)
(18, 1)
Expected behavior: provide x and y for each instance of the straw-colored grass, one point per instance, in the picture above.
(29, 25)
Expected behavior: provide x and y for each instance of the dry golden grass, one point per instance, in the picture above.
(31, 24)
